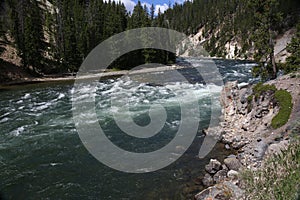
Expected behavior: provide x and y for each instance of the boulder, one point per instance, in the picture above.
(232, 163)
(207, 180)
(260, 149)
(213, 166)
(233, 175)
(238, 145)
(220, 176)
(224, 167)
(277, 148)
(227, 146)
(222, 191)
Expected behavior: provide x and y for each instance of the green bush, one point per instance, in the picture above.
(284, 100)
(282, 97)
(260, 88)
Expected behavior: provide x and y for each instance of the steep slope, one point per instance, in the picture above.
(233, 47)
(233, 29)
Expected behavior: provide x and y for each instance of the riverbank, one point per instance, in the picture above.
(20, 77)
(246, 127)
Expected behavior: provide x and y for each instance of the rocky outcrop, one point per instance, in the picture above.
(193, 47)
(246, 127)
(246, 122)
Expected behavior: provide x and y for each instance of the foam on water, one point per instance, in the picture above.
(38, 135)
(18, 131)
(26, 96)
(5, 119)
(140, 95)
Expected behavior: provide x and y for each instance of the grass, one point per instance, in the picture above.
(284, 100)
(280, 177)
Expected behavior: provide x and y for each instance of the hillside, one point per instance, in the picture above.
(226, 28)
(230, 52)
(54, 37)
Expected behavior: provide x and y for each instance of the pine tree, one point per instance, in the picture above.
(267, 16)
(293, 61)
(33, 37)
(152, 11)
(27, 30)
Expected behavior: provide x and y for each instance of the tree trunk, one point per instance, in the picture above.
(274, 66)
(272, 56)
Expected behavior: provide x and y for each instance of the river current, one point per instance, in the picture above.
(42, 156)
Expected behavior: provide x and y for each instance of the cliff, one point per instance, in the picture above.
(233, 48)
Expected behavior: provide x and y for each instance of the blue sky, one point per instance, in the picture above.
(162, 4)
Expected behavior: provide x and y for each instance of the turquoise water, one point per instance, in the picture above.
(42, 156)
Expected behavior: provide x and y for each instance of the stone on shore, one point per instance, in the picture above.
(233, 175)
(232, 163)
(220, 176)
(223, 191)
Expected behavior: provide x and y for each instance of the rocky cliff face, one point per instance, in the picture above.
(233, 48)
(246, 127)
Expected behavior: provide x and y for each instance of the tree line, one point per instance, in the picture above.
(254, 24)
(56, 37)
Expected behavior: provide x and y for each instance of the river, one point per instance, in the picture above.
(42, 156)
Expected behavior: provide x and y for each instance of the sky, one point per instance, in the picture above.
(162, 4)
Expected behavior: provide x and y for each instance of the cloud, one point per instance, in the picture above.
(147, 4)
(162, 8)
(129, 4)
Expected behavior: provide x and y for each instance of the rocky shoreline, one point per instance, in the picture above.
(246, 127)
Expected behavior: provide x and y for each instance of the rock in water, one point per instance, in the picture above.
(207, 180)
(213, 166)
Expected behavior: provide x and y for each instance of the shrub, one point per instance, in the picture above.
(260, 88)
(284, 100)
(279, 177)
(282, 97)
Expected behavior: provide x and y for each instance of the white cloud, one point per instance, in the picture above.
(147, 4)
(129, 4)
(182, 1)
(162, 8)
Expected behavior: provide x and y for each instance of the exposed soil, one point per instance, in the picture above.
(10, 73)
